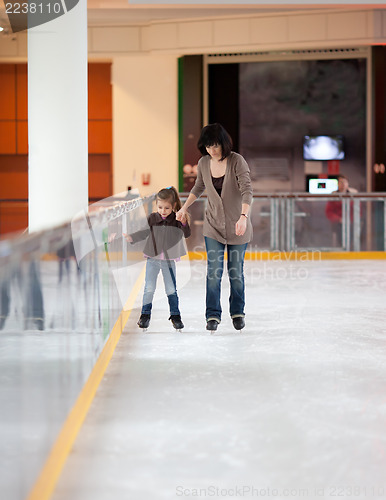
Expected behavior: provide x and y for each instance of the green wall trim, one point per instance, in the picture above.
(180, 124)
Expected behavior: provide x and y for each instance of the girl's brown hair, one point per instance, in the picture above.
(171, 194)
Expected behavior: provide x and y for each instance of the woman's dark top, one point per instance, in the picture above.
(217, 183)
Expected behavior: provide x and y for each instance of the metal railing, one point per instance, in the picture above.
(298, 221)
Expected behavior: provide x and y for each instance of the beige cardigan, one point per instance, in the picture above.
(223, 212)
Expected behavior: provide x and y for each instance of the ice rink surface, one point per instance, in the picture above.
(292, 407)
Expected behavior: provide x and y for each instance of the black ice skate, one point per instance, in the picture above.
(177, 323)
(238, 322)
(144, 321)
(212, 325)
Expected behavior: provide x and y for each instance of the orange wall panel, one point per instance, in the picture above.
(8, 92)
(14, 137)
(22, 137)
(100, 136)
(14, 176)
(13, 217)
(21, 92)
(13, 185)
(99, 177)
(98, 185)
(7, 138)
(99, 91)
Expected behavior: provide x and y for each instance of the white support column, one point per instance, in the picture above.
(57, 119)
(145, 128)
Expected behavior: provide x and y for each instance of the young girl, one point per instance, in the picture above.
(163, 247)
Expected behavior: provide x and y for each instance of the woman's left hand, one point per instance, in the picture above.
(241, 226)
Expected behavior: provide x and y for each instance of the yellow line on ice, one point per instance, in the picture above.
(300, 255)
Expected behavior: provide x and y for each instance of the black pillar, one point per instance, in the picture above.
(224, 98)
(190, 115)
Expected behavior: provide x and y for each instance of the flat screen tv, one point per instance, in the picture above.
(323, 147)
(322, 186)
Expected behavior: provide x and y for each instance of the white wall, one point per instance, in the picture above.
(297, 29)
(145, 127)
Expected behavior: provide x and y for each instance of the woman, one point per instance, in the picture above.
(226, 178)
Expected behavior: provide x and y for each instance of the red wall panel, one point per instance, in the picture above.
(14, 176)
(7, 137)
(99, 91)
(99, 176)
(21, 92)
(99, 136)
(14, 138)
(13, 217)
(8, 92)
(22, 137)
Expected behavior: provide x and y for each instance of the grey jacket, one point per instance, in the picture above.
(223, 212)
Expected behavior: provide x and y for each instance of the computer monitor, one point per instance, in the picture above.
(322, 185)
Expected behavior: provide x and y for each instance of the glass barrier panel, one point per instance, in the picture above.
(61, 292)
(261, 218)
(313, 227)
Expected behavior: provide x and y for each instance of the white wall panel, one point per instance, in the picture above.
(162, 36)
(374, 24)
(347, 26)
(307, 28)
(115, 39)
(384, 23)
(195, 34)
(145, 131)
(231, 32)
(268, 30)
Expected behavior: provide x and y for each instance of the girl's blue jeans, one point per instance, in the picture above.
(168, 269)
(235, 264)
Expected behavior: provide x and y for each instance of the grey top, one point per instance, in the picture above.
(222, 212)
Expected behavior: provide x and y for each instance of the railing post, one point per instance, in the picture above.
(384, 225)
(124, 241)
(277, 224)
(357, 225)
(345, 224)
(282, 223)
(290, 223)
(274, 224)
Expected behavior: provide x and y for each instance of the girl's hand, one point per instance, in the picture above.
(128, 238)
(181, 215)
(111, 237)
(241, 225)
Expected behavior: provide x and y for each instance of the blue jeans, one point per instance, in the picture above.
(168, 268)
(215, 255)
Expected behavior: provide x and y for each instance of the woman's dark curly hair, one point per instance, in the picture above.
(215, 134)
